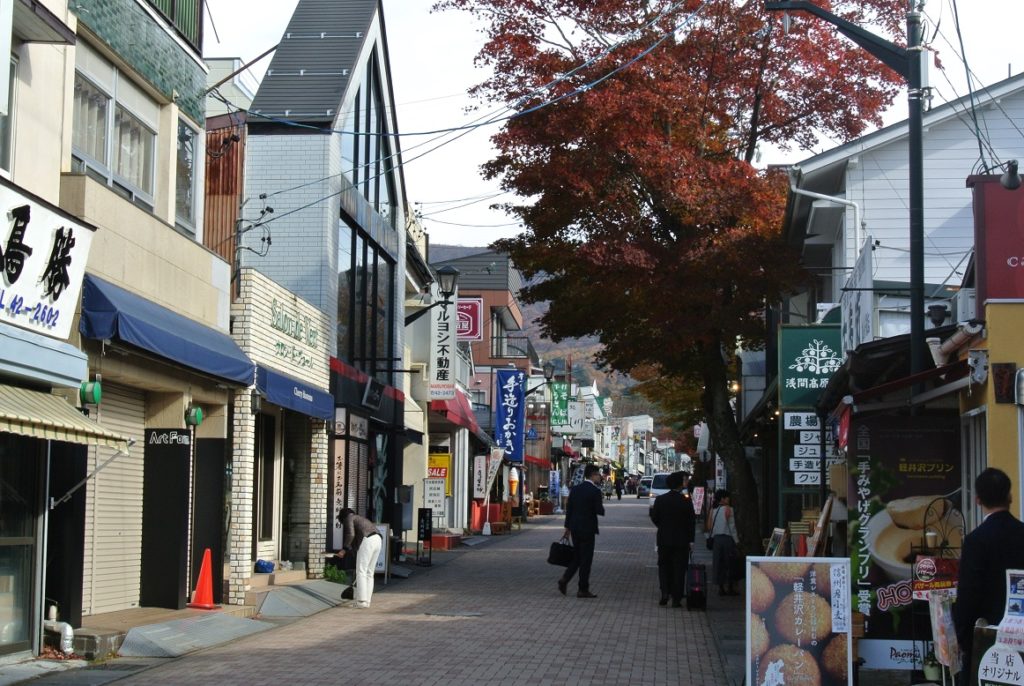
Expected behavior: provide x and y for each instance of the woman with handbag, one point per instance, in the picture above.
(723, 533)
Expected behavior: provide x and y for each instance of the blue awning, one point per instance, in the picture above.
(110, 312)
(292, 394)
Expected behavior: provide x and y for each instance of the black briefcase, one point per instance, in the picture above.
(560, 553)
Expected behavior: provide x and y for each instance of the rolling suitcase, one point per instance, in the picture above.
(696, 587)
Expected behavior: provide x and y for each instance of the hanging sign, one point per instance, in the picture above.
(510, 415)
(808, 357)
(442, 349)
(470, 325)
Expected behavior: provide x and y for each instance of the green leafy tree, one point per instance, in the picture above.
(641, 204)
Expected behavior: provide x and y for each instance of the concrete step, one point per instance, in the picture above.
(260, 580)
(288, 577)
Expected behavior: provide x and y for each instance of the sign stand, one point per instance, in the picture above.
(424, 529)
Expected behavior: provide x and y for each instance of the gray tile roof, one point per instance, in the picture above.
(315, 60)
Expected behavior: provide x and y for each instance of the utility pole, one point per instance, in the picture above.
(907, 63)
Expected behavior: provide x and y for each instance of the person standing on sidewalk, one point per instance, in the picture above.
(586, 502)
(724, 536)
(361, 537)
(618, 489)
(673, 514)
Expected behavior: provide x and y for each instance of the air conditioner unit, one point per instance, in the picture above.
(964, 305)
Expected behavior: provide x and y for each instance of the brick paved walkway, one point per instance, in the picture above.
(488, 614)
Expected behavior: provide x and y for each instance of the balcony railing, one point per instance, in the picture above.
(514, 348)
(186, 15)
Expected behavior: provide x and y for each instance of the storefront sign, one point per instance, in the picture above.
(1011, 628)
(698, 499)
(858, 301)
(470, 325)
(424, 523)
(42, 263)
(433, 496)
(559, 403)
(510, 413)
(358, 427)
(998, 225)
(1001, 666)
(442, 349)
(479, 476)
(934, 574)
(902, 472)
(798, 625)
(808, 357)
(439, 467)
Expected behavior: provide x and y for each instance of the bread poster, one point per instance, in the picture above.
(798, 621)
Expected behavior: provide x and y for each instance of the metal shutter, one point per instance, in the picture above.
(113, 515)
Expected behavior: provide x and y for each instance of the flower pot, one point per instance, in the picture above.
(932, 671)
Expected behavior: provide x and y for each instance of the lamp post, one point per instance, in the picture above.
(447, 281)
(907, 63)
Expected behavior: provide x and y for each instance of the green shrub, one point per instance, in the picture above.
(335, 575)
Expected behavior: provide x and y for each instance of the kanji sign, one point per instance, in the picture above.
(442, 349)
(510, 413)
(808, 357)
(470, 324)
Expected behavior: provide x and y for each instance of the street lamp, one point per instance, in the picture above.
(549, 374)
(907, 62)
(447, 281)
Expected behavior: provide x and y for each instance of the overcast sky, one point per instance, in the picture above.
(432, 65)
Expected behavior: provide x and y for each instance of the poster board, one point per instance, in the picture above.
(382, 557)
(798, 621)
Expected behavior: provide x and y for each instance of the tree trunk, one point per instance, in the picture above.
(726, 443)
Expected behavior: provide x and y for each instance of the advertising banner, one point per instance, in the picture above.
(904, 500)
(439, 467)
(470, 319)
(479, 476)
(808, 356)
(798, 621)
(559, 403)
(442, 349)
(509, 418)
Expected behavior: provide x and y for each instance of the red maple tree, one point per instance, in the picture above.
(640, 123)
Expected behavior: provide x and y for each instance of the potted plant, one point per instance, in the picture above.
(931, 667)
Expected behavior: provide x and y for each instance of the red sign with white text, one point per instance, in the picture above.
(998, 223)
(470, 325)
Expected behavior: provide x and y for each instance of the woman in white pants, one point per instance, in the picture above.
(361, 536)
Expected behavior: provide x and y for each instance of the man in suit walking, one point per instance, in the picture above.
(586, 502)
(672, 512)
(997, 544)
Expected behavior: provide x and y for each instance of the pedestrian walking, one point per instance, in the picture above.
(581, 512)
(618, 489)
(724, 537)
(361, 538)
(673, 514)
(997, 544)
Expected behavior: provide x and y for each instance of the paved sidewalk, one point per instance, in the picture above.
(491, 614)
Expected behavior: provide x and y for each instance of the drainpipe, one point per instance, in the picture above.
(830, 198)
(67, 634)
(963, 333)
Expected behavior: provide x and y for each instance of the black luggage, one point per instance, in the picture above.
(696, 587)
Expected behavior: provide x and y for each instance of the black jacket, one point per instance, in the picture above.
(673, 514)
(988, 551)
(586, 502)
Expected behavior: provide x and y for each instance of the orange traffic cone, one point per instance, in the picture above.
(202, 597)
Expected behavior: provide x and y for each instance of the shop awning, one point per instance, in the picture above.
(293, 394)
(110, 312)
(458, 411)
(539, 461)
(46, 416)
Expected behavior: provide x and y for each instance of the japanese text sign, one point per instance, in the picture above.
(510, 413)
(42, 263)
(808, 356)
(470, 319)
(442, 349)
(559, 403)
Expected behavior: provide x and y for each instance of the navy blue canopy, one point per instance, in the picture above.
(112, 313)
(293, 394)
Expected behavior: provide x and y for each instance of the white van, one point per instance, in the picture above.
(660, 484)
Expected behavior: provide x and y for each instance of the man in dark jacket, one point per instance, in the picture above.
(673, 514)
(997, 544)
(585, 504)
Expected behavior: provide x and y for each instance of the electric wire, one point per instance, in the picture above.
(970, 87)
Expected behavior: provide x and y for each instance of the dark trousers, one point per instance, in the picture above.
(672, 564)
(583, 557)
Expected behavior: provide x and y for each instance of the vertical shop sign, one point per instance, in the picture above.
(559, 403)
(442, 349)
(510, 415)
(808, 356)
(479, 476)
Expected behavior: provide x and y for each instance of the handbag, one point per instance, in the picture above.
(709, 540)
(560, 553)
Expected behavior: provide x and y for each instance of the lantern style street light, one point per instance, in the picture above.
(447, 281)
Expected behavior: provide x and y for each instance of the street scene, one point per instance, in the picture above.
(398, 342)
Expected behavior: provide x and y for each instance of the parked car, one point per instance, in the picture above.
(659, 484)
(644, 489)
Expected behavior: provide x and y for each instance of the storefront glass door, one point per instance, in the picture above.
(20, 459)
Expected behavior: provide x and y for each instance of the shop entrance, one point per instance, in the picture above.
(20, 504)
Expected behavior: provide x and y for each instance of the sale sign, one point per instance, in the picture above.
(438, 466)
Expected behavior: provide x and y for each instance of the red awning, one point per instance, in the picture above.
(457, 411)
(539, 461)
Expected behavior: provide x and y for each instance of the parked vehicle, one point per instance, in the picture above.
(644, 489)
(659, 484)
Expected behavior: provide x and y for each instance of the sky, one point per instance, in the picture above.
(432, 64)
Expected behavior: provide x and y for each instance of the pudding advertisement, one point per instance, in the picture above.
(905, 500)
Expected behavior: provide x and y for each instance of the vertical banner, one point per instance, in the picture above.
(479, 476)
(510, 414)
(442, 349)
(904, 484)
(554, 487)
(559, 403)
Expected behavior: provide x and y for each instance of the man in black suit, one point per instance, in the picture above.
(988, 551)
(586, 502)
(673, 514)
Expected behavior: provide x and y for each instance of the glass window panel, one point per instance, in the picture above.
(383, 319)
(133, 150)
(6, 119)
(89, 128)
(348, 145)
(359, 352)
(357, 143)
(185, 184)
(345, 286)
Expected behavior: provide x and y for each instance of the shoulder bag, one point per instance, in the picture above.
(709, 541)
